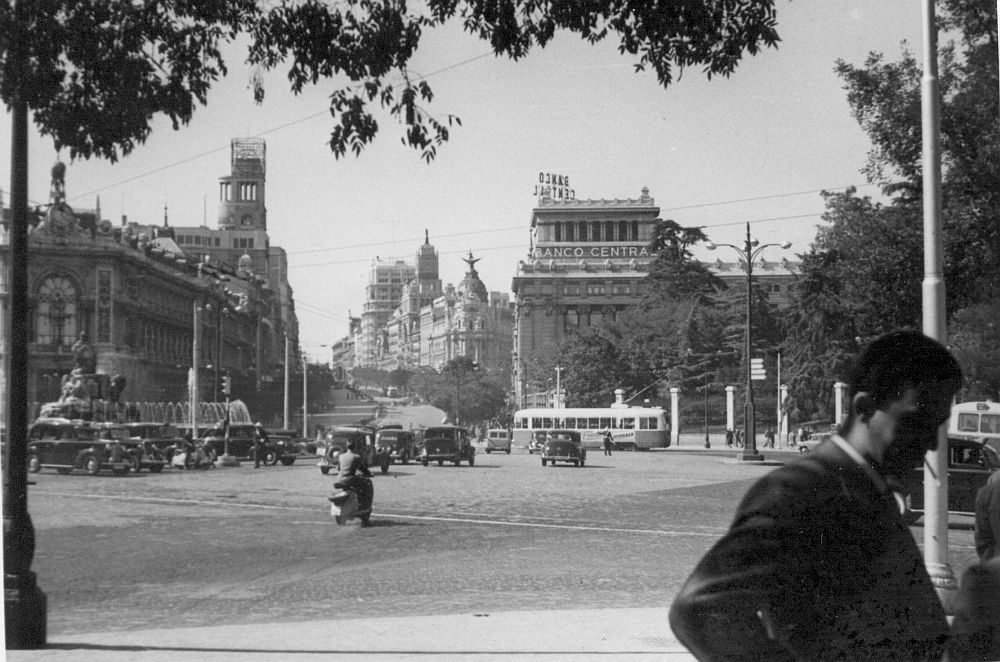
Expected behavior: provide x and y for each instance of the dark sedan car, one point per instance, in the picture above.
(564, 446)
(970, 464)
(447, 443)
(65, 445)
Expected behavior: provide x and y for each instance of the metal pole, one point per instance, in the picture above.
(286, 381)
(749, 451)
(705, 397)
(305, 397)
(934, 319)
(218, 353)
(24, 603)
(195, 360)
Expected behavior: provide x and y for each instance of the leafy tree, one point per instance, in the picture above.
(463, 391)
(674, 275)
(975, 341)
(860, 279)
(95, 72)
(885, 99)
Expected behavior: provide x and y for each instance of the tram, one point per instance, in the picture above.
(976, 420)
(632, 428)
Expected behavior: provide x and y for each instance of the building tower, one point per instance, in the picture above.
(427, 261)
(241, 193)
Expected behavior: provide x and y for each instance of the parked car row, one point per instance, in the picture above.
(70, 444)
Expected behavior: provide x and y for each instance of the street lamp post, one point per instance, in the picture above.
(751, 251)
(705, 398)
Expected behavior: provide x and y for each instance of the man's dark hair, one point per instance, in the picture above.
(897, 361)
(351, 445)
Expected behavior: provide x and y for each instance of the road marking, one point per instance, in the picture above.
(429, 518)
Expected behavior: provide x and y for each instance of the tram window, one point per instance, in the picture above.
(605, 423)
(592, 423)
(628, 423)
(648, 423)
(536, 424)
(519, 423)
(968, 422)
(547, 423)
(990, 423)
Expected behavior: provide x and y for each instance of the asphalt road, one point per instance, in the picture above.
(243, 546)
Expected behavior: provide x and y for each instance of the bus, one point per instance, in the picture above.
(976, 420)
(632, 428)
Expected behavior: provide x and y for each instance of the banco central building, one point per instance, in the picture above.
(586, 264)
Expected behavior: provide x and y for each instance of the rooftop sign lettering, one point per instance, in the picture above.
(579, 252)
(554, 186)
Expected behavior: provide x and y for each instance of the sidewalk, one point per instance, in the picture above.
(613, 634)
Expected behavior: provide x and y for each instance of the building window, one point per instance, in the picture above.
(570, 227)
(571, 289)
(595, 231)
(55, 321)
(609, 231)
(622, 288)
(595, 289)
(571, 320)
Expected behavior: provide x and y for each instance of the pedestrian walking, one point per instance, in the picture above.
(819, 563)
(609, 441)
(259, 446)
(729, 437)
(769, 438)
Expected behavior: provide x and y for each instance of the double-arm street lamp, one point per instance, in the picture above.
(751, 251)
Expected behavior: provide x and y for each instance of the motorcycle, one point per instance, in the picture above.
(352, 499)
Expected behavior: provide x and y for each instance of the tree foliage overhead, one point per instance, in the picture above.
(95, 72)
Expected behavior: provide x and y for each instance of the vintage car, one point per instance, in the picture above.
(498, 440)
(364, 445)
(399, 444)
(564, 446)
(242, 438)
(447, 443)
(65, 445)
(970, 464)
(143, 453)
(537, 441)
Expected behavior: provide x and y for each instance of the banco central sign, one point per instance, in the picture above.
(594, 252)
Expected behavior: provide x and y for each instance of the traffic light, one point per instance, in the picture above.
(227, 385)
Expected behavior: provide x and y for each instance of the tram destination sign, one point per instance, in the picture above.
(597, 251)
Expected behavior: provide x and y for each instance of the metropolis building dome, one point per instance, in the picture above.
(471, 286)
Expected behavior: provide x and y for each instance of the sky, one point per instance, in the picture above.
(756, 147)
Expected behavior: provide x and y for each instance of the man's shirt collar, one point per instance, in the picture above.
(861, 462)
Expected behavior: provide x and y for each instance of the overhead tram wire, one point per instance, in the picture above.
(274, 129)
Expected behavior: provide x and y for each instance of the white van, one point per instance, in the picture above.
(498, 440)
(976, 420)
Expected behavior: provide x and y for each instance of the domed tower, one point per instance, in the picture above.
(471, 286)
(241, 194)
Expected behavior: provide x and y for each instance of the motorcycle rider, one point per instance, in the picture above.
(350, 464)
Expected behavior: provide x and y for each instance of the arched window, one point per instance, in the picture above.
(55, 319)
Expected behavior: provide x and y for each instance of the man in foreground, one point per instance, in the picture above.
(819, 563)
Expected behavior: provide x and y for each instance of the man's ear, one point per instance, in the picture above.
(864, 404)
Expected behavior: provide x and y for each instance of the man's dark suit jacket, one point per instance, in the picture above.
(818, 564)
